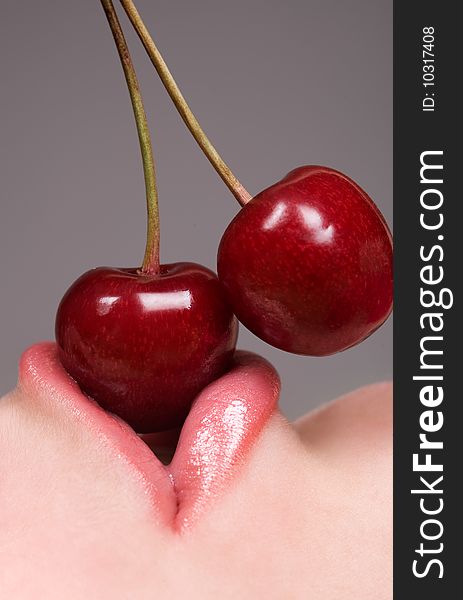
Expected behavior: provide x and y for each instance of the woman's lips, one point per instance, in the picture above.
(225, 420)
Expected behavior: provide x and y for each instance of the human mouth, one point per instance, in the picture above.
(214, 442)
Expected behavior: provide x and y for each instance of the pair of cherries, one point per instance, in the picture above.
(306, 265)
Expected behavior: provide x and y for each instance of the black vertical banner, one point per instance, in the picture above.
(428, 361)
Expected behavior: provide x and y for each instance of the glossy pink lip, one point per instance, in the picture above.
(225, 420)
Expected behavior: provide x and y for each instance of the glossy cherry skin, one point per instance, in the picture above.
(144, 346)
(307, 263)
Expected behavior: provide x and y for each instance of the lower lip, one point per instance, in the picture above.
(224, 422)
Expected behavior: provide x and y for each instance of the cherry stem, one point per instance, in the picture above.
(180, 103)
(150, 264)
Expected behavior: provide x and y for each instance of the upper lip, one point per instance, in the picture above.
(224, 421)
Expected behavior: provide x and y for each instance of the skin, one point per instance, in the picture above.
(305, 512)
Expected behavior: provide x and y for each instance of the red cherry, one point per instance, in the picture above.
(307, 264)
(144, 345)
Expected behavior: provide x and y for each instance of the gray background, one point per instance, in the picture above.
(275, 85)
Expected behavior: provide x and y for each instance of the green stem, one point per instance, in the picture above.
(188, 117)
(150, 264)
